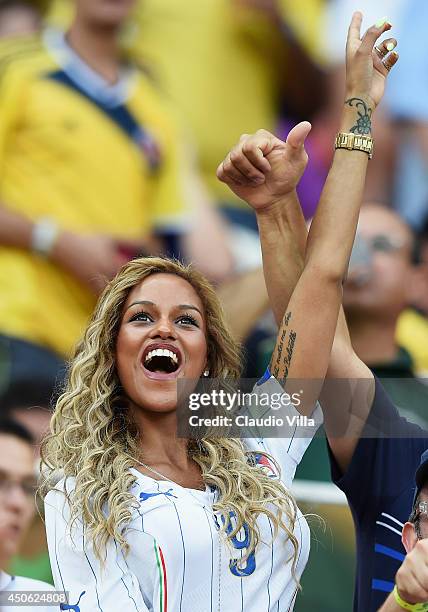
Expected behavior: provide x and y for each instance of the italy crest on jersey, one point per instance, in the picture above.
(264, 462)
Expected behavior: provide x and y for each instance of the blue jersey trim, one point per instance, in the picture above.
(119, 114)
(266, 376)
(389, 552)
(382, 585)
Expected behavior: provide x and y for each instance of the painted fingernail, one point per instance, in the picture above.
(381, 22)
(390, 46)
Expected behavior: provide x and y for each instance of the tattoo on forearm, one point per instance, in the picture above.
(282, 359)
(280, 348)
(364, 121)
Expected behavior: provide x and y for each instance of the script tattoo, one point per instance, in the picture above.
(364, 121)
(283, 357)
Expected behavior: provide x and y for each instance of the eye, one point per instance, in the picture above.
(142, 316)
(187, 319)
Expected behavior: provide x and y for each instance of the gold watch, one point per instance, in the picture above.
(354, 142)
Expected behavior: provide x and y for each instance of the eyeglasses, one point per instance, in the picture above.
(28, 488)
(385, 244)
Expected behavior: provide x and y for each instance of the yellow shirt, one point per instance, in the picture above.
(72, 158)
(412, 334)
(219, 64)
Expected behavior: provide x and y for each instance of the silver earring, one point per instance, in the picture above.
(206, 373)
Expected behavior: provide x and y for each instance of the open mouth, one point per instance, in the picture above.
(161, 361)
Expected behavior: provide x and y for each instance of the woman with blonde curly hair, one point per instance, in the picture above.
(140, 519)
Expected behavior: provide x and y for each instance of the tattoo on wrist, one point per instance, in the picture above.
(364, 121)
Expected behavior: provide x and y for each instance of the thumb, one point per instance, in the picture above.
(297, 136)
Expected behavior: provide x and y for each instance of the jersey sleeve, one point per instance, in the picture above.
(296, 433)
(77, 570)
(384, 460)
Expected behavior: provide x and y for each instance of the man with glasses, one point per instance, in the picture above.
(17, 507)
(379, 288)
(411, 582)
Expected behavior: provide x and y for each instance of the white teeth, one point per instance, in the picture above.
(161, 353)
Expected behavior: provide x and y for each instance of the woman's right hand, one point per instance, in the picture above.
(262, 169)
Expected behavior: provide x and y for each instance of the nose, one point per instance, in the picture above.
(164, 329)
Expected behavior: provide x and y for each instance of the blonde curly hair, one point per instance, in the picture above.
(92, 439)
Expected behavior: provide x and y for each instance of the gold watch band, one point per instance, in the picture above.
(354, 142)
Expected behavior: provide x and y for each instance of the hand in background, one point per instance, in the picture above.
(262, 169)
(91, 259)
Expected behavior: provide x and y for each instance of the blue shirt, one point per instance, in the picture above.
(379, 486)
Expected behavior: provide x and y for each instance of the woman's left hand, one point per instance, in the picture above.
(367, 65)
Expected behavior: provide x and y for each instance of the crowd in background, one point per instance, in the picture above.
(108, 152)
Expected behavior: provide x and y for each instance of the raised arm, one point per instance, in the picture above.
(306, 335)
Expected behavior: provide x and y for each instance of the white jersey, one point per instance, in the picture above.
(12, 584)
(177, 561)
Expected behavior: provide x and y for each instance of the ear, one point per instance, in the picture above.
(409, 537)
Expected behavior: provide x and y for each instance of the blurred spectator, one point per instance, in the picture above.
(412, 577)
(27, 404)
(412, 330)
(17, 507)
(227, 64)
(380, 286)
(20, 17)
(93, 171)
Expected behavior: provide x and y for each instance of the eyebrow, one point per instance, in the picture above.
(190, 307)
(145, 302)
(149, 303)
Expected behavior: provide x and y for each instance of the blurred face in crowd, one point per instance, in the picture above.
(17, 484)
(418, 528)
(104, 13)
(162, 337)
(19, 20)
(380, 277)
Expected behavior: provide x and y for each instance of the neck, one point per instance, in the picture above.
(97, 46)
(159, 443)
(373, 339)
